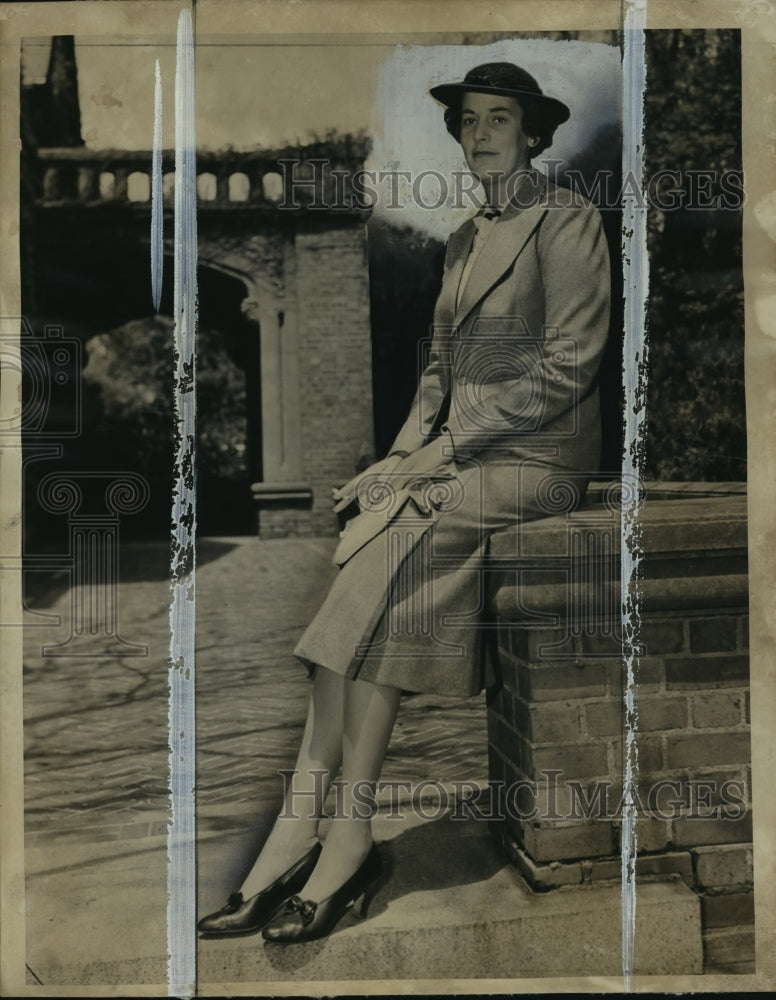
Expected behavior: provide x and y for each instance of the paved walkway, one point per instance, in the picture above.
(96, 749)
(96, 728)
(96, 788)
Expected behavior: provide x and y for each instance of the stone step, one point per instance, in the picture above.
(453, 910)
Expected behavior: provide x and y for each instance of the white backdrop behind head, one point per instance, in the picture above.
(410, 133)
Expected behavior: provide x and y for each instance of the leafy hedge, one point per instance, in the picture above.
(695, 401)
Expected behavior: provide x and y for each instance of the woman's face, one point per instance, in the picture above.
(492, 137)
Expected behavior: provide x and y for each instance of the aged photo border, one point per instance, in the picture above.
(757, 23)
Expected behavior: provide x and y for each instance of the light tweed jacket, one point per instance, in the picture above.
(506, 408)
(513, 369)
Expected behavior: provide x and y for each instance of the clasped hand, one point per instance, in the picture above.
(397, 472)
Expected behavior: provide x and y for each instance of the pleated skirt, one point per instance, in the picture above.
(410, 609)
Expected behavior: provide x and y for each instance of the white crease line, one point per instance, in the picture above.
(636, 289)
(181, 846)
(157, 207)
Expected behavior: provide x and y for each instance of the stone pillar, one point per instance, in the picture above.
(51, 184)
(222, 186)
(316, 373)
(88, 188)
(122, 178)
(283, 496)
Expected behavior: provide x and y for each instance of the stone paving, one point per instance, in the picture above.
(96, 759)
(96, 752)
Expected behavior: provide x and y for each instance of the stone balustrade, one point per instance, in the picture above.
(317, 176)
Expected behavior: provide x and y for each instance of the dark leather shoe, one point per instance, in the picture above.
(304, 920)
(246, 916)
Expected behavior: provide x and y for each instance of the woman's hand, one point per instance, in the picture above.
(345, 495)
(433, 461)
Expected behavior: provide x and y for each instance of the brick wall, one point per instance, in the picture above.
(309, 296)
(335, 359)
(724, 877)
(284, 522)
(555, 725)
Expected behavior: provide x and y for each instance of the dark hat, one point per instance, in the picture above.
(501, 78)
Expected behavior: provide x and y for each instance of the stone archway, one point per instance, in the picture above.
(229, 429)
(99, 296)
(302, 274)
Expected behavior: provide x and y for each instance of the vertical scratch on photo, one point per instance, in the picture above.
(636, 288)
(157, 207)
(181, 872)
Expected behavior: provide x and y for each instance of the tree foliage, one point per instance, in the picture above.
(695, 405)
(130, 374)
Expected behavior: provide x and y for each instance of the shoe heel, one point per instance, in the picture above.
(361, 906)
(362, 903)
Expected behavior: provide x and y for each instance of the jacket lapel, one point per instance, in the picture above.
(458, 247)
(509, 236)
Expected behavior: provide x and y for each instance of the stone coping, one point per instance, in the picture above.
(274, 492)
(692, 539)
(702, 518)
(707, 593)
(341, 148)
(659, 489)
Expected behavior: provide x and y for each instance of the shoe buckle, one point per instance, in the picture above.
(307, 911)
(304, 907)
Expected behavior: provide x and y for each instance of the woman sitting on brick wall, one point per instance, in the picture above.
(506, 420)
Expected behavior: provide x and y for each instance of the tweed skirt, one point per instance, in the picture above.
(410, 608)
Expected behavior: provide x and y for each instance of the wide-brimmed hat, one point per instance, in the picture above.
(501, 78)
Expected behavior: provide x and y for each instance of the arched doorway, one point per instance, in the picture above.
(99, 294)
(229, 429)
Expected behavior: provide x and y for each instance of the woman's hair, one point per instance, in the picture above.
(535, 123)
